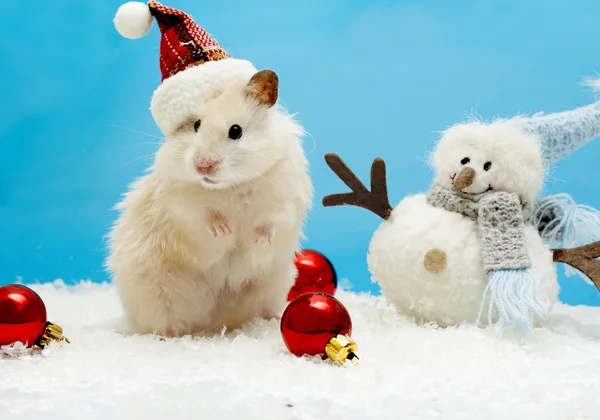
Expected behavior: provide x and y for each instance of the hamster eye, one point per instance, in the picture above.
(487, 166)
(235, 132)
(197, 125)
(465, 161)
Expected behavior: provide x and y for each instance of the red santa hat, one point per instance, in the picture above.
(192, 63)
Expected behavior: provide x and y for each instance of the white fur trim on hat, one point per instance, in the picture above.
(178, 95)
(133, 20)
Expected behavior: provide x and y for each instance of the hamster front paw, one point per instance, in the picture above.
(219, 225)
(263, 234)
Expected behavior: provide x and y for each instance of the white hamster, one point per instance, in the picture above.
(207, 238)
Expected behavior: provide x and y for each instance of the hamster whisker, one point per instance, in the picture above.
(138, 132)
(139, 159)
(141, 144)
(231, 175)
(261, 176)
(314, 142)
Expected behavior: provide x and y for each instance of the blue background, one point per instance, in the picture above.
(368, 79)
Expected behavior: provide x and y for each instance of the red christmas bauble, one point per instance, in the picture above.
(311, 320)
(315, 274)
(22, 315)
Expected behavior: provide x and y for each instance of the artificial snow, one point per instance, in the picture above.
(406, 372)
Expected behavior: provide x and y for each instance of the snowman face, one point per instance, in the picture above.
(474, 159)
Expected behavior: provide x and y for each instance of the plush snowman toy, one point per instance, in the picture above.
(468, 250)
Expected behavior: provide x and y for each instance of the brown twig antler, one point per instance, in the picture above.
(375, 200)
(582, 258)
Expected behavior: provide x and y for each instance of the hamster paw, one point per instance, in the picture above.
(263, 234)
(219, 225)
(268, 315)
(167, 333)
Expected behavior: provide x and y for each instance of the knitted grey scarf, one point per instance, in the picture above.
(501, 219)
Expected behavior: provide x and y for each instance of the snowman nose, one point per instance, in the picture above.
(463, 179)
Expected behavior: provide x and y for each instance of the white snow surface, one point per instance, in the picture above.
(407, 371)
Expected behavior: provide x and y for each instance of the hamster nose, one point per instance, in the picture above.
(463, 179)
(206, 164)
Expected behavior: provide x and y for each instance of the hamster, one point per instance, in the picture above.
(207, 237)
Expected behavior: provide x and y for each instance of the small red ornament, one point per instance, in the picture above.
(23, 318)
(318, 324)
(315, 274)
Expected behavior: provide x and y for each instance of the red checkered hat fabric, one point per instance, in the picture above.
(184, 43)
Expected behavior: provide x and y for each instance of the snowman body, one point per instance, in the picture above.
(429, 264)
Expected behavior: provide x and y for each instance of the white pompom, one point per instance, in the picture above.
(133, 20)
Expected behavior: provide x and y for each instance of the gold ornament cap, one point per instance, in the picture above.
(342, 350)
(52, 332)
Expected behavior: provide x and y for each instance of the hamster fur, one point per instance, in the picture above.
(197, 247)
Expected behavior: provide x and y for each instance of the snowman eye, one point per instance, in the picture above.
(487, 166)
(465, 161)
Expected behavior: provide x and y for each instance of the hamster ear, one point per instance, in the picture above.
(264, 87)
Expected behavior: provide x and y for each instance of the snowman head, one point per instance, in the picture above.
(475, 158)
